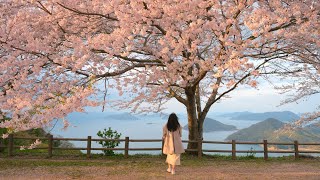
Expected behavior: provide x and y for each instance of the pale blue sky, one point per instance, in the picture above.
(264, 98)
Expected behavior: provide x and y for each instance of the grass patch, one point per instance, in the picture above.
(143, 161)
(146, 163)
(42, 152)
(10, 163)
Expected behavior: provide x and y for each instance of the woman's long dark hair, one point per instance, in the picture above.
(173, 123)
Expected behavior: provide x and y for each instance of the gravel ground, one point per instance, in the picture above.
(156, 169)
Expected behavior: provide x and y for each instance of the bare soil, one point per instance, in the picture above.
(155, 168)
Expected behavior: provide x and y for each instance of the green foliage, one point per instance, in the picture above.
(251, 154)
(39, 132)
(35, 133)
(109, 134)
(3, 131)
(3, 142)
(32, 133)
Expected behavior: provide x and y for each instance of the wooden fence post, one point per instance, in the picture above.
(10, 145)
(50, 144)
(199, 147)
(126, 147)
(265, 149)
(234, 149)
(296, 150)
(89, 147)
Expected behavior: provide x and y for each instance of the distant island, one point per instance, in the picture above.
(308, 134)
(121, 116)
(234, 114)
(283, 116)
(160, 116)
(271, 130)
(257, 132)
(211, 125)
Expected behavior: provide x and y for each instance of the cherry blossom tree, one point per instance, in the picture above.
(303, 85)
(53, 52)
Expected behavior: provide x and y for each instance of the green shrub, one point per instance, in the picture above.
(251, 154)
(109, 134)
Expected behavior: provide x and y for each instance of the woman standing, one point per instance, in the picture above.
(173, 147)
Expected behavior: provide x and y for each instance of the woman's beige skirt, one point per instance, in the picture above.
(173, 159)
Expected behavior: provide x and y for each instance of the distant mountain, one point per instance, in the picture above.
(314, 127)
(121, 116)
(271, 130)
(310, 133)
(160, 116)
(257, 132)
(235, 114)
(214, 125)
(283, 116)
(216, 114)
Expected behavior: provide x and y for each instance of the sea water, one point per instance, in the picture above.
(84, 125)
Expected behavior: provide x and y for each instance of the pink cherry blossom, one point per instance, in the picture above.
(4, 136)
(54, 53)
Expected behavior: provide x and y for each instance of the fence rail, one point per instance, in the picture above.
(199, 150)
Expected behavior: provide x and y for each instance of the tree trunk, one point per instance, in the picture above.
(192, 120)
(193, 130)
(200, 124)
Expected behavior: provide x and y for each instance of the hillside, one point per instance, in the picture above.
(283, 116)
(315, 128)
(310, 133)
(268, 130)
(211, 125)
(257, 132)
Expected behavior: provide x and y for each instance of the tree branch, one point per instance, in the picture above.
(131, 59)
(179, 98)
(116, 73)
(87, 13)
(164, 32)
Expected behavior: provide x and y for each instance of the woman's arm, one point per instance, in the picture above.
(164, 131)
(180, 131)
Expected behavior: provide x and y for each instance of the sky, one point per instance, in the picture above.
(262, 99)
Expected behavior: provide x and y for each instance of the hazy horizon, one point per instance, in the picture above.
(264, 98)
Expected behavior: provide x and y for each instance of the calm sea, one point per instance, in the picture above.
(146, 127)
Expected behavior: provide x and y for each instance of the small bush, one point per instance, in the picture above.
(251, 154)
(109, 134)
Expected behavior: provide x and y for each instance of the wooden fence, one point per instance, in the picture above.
(199, 150)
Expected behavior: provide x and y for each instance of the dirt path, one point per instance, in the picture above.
(155, 169)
